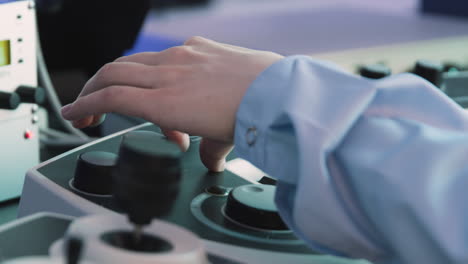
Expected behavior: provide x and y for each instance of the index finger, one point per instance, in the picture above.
(125, 100)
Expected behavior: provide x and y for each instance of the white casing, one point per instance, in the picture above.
(17, 153)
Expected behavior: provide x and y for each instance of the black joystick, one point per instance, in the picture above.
(146, 177)
(375, 71)
(253, 205)
(29, 94)
(9, 101)
(429, 70)
(93, 173)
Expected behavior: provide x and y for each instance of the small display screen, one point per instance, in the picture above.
(5, 56)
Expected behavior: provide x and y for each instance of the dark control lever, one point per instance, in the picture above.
(429, 70)
(146, 176)
(267, 180)
(30, 94)
(375, 71)
(9, 101)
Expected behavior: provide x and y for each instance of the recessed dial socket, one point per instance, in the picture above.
(146, 243)
(93, 172)
(253, 205)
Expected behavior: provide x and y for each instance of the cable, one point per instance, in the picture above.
(55, 138)
(45, 81)
(65, 142)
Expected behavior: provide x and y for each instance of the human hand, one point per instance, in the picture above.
(195, 88)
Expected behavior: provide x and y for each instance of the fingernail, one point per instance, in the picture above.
(66, 109)
(185, 143)
(100, 121)
(220, 166)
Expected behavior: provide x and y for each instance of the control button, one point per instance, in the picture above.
(34, 109)
(217, 190)
(429, 70)
(93, 172)
(251, 136)
(35, 119)
(253, 205)
(147, 175)
(452, 67)
(29, 94)
(375, 71)
(9, 100)
(28, 134)
(267, 180)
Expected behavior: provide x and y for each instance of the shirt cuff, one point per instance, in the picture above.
(255, 112)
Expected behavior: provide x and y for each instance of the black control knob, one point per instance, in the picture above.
(93, 173)
(253, 205)
(429, 70)
(9, 100)
(146, 176)
(29, 94)
(375, 71)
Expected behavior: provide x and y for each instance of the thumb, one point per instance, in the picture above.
(213, 154)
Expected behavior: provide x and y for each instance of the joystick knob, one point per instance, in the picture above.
(253, 205)
(146, 176)
(93, 172)
(429, 70)
(375, 71)
(29, 94)
(9, 100)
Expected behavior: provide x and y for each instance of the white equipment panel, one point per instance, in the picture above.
(19, 138)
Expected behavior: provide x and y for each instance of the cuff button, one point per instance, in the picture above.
(251, 136)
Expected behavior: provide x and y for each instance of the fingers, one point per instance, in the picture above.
(180, 138)
(123, 74)
(147, 58)
(201, 43)
(179, 55)
(83, 122)
(213, 154)
(120, 99)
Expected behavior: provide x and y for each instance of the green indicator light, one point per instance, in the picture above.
(5, 56)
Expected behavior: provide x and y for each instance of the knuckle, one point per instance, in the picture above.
(105, 70)
(78, 104)
(110, 94)
(122, 59)
(180, 51)
(194, 40)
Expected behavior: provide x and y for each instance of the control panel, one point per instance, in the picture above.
(233, 215)
(19, 141)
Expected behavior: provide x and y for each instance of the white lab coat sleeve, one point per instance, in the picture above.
(366, 169)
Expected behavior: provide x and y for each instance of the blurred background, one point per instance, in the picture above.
(78, 37)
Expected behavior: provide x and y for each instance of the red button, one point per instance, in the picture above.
(28, 134)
